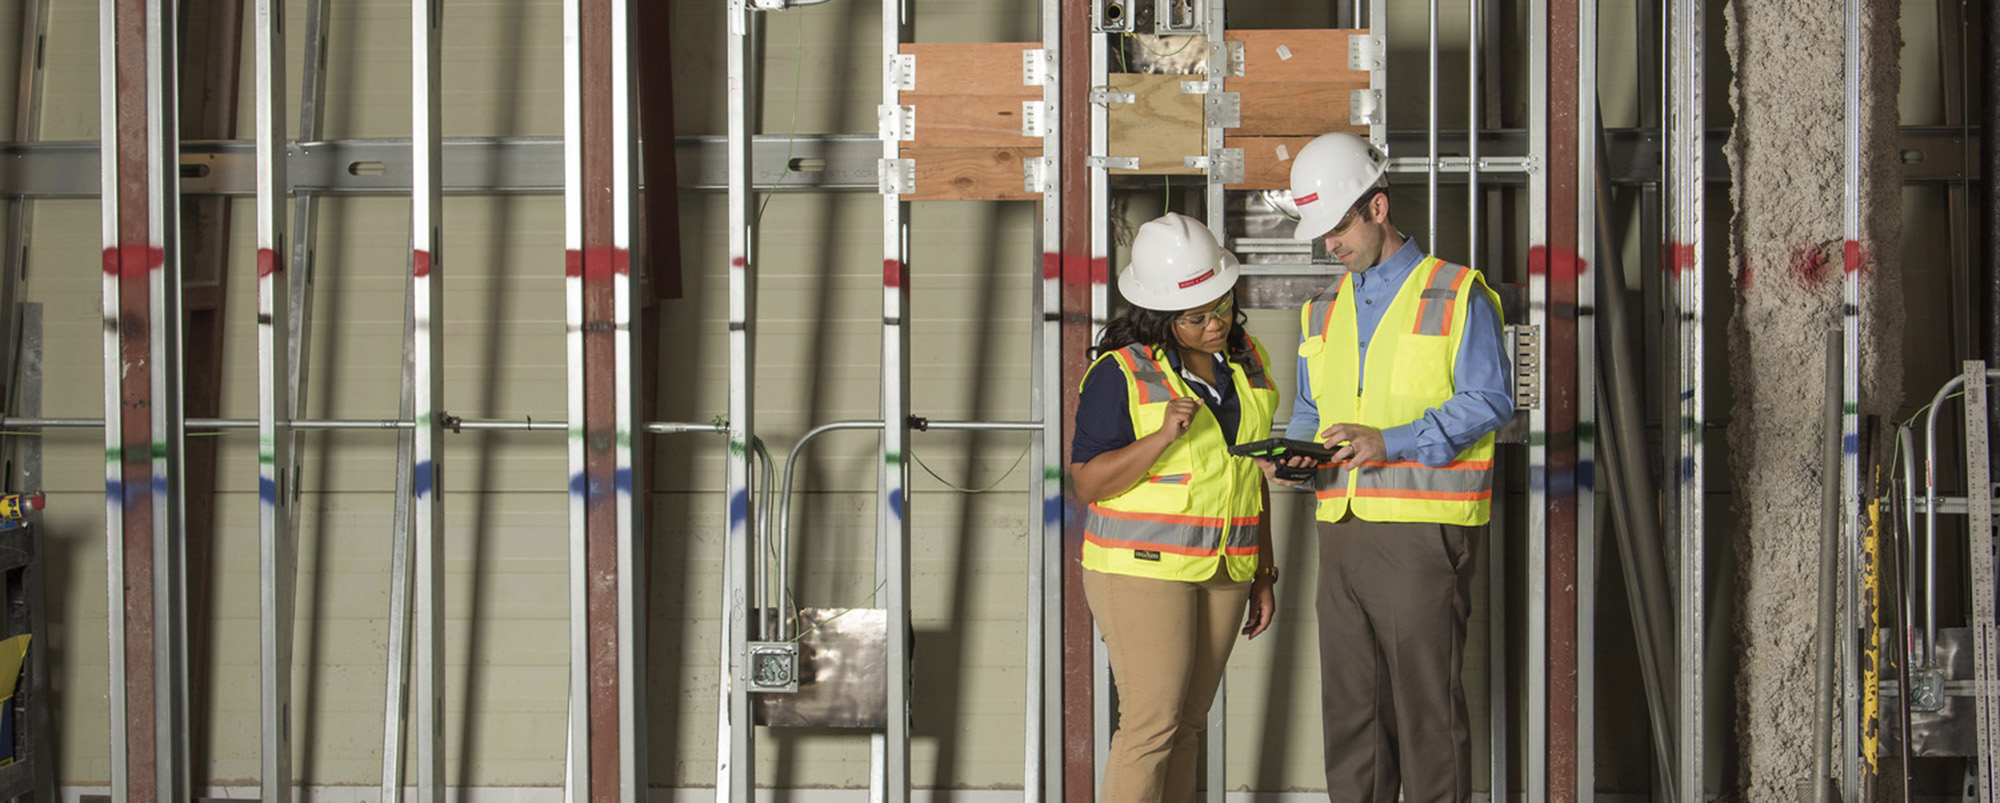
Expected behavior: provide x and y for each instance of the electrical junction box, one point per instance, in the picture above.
(774, 667)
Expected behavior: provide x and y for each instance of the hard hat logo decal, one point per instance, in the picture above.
(1306, 199)
(1198, 279)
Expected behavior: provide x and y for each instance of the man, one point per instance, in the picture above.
(1402, 372)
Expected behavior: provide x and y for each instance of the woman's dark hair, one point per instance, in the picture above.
(1155, 329)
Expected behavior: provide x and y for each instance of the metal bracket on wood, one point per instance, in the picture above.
(1527, 341)
(1232, 55)
(1034, 122)
(1225, 109)
(896, 122)
(1106, 97)
(896, 176)
(1225, 163)
(1364, 53)
(906, 71)
(1035, 174)
(1035, 67)
(1364, 107)
(1113, 162)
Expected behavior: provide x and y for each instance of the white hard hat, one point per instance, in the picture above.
(1328, 176)
(1176, 265)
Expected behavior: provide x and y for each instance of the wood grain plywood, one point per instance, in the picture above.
(1293, 56)
(966, 121)
(964, 68)
(1267, 161)
(1163, 126)
(1271, 109)
(969, 174)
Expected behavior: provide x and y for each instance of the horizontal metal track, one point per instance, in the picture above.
(533, 165)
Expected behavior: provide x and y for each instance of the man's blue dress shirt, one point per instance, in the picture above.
(1484, 375)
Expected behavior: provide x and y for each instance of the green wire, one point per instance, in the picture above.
(792, 136)
(996, 483)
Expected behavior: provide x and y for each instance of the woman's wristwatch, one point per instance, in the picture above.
(1266, 573)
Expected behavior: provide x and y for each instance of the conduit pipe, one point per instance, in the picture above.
(784, 540)
(1931, 501)
(1622, 440)
(1829, 566)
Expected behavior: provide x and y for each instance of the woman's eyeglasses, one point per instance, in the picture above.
(1196, 320)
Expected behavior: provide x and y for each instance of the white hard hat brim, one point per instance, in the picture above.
(1174, 299)
(1314, 225)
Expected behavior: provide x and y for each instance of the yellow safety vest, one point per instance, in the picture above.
(1412, 357)
(1197, 502)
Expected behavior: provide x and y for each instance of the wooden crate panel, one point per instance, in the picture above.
(1277, 110)
(970, 174)
(968, 121)
(1265, 166)
(1287, 56)
(1162, 126)
(976, 68)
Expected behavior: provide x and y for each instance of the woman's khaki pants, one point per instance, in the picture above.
(1168, 642)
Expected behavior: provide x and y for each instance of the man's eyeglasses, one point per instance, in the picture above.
(1223, 312)
(1353, 214)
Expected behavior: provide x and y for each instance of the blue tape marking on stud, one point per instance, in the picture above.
(1850, 443)
(1687, 470)
(1052, 510)
(896, 502)
(576, 485)
(267, 490)
(624, 480)
(421, 479)
(114, 492)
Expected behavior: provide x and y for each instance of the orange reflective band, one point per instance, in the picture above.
(1456, 465)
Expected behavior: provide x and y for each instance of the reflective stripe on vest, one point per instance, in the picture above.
(1410, 368)
(1198, 505)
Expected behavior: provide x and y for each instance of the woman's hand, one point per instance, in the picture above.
(1180, 416)
(1263, 608)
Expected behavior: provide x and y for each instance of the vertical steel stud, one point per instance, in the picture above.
(735, 734)
(427, 305)
(1689, 403)
(277, 564)
(892, 564)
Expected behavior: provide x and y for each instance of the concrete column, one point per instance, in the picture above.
(1787, 247)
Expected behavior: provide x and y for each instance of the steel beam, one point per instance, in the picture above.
(606, 654)
(1080, 273)
(427, 265)
(144, 516)
(277, 568)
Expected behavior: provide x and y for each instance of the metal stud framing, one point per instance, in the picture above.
(144, 516)
(427, 262)
(606, 652)
(1044, 762)
(1688, 404)
(735, 735)
(892, 502)
(278, 552)
(1537, 746)
(1850, 419)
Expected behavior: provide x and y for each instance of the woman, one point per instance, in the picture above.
(1175, 542)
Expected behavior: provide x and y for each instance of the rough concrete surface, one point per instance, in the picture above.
(1787, 259)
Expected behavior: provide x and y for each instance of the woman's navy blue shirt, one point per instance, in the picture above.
(1104, 425)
